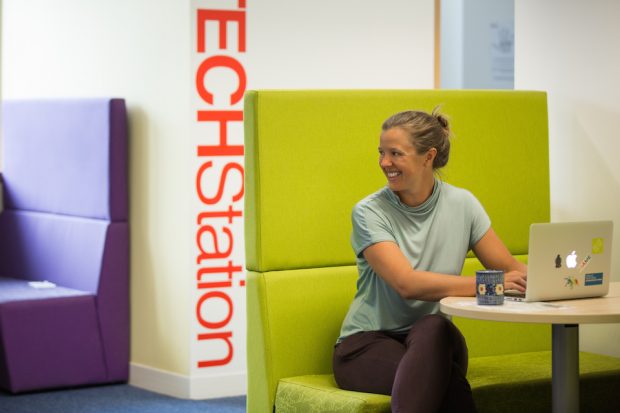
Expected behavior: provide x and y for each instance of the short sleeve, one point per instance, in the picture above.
(369, 227)
(480, 221)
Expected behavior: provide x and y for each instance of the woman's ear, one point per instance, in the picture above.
(430, 156)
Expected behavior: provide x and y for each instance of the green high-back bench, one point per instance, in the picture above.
(309, 157)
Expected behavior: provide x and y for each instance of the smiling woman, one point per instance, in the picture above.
(409, 163)
(411, 239)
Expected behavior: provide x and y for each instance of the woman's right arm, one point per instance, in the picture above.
(387, 260)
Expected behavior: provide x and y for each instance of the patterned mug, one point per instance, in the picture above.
(490, 287)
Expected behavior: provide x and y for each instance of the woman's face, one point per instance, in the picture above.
(403, 167)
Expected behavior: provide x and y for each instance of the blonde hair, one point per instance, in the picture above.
(425, 131)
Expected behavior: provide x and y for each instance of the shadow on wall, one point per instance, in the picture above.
(585, 176)
(582, 152)
(142, 286)
(601, 126)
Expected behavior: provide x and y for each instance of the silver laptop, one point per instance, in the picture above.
(568, 260)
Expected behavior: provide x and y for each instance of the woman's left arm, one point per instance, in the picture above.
(492, 253)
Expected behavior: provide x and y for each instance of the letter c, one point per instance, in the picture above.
(220, 61)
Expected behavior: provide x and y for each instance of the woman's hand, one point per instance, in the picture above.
(515, 280)
(492, 252)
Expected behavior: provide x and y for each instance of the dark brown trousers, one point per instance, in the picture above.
(423, 370)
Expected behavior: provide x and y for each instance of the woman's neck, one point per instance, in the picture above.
(419, 195)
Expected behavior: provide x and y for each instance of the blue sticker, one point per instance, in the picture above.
(594, 278)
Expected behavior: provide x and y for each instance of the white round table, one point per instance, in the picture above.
(565, 317)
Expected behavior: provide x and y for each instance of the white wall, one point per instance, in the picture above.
(142, 50)
(570, 49)
(341, 44)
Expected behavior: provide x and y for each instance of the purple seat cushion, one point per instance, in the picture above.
(48, 343)
(65, 250)
(20, 290)
(63, 156)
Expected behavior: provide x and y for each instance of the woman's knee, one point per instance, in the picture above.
(445, 330)
(367, 362)
(441, 332)
(435, 325)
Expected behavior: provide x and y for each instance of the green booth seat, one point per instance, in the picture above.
(522, 383)
(310, 156)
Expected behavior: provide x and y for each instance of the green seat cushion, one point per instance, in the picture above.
(319, 393)
(522, 382)
(507, 383)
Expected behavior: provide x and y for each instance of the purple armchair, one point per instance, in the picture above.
(65, 222)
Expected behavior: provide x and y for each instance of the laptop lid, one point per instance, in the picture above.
(569, 260)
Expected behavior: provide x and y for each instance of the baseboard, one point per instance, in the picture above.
(186, 387)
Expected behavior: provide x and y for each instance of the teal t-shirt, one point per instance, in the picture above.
(434, 236)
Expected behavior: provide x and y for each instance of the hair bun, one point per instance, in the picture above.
(443, 121)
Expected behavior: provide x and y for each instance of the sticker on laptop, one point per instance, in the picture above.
(598, 245)
(571, 282)
(594, 279)
(584, 263)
